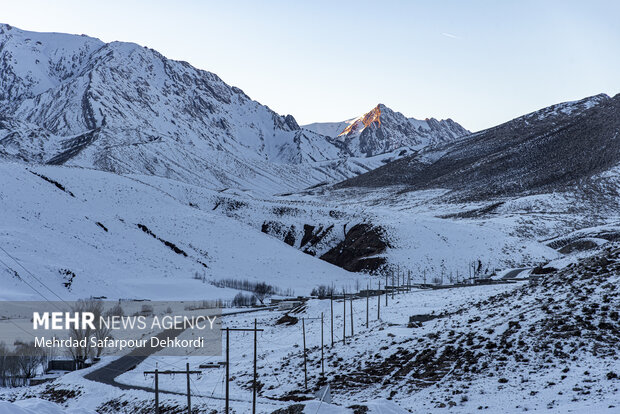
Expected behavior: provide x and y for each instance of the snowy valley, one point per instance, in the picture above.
(125, 175)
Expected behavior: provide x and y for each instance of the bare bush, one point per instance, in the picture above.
(244, 300)
(322, 291)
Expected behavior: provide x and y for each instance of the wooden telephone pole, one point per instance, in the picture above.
(344, 317)
(351, 303)
(379, 302)
(157, 373)
(331, 303)
(254, 382)
(303, 330)
(322, 348)
(386, 290)
(367, 303)
(303, 327)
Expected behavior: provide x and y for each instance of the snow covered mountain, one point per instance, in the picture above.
(119, 107)
(86, 232)
(546, 150)
(382, 130)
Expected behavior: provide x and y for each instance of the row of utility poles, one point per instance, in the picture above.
(255, 330)
(398, 286)
(157, 373)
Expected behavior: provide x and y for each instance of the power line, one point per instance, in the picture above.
(31, 287)
(22, 279)
(33, 276)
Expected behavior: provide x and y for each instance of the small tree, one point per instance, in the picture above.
(101, 331)
(262, 291)
(4, 364)
(28, 358)
(82, 353)
(322, 291)
(243, 300)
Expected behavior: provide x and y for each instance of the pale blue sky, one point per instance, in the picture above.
(477, 62)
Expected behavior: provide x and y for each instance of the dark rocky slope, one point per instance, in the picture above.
(548, 149)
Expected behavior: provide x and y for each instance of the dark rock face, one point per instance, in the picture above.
(358, 251)
(311, 237)
(292, 409)
(308, 232)
(289, 238)
(287, 234)
(287, 319)
(281, 231)
(547, 149)
(73, 146)
(578, 246)
(290, 121)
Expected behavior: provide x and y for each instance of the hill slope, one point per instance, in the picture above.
(541, 151)
(90, 233)
(119, 107)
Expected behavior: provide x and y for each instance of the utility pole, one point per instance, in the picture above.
(396, 284)
(303, 327)
(255, 377)
(367, 303)
(351, 302)
(156, 391)
(322, 348)
(228, 331)
(331, 302)
(227, 369)
(386, 290)
(187, 372)
(189, 395)
(379, 302)
(344, 317)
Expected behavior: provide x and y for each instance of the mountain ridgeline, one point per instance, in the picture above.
(382, 130)
(119, 107)
(545, 150)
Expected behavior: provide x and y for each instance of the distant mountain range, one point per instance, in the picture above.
(382, 130)
(216, 165)
(120, 107)
(543, 151)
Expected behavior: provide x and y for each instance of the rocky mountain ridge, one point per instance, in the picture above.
(546, 150)
(382, 130)
(119, 107)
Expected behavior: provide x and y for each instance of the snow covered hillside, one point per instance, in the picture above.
(382, 130)
(544, 346)
(563, 146)
(111, 235)
(37, 406)
(189, 139)
(120, 107)
(89, 233)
